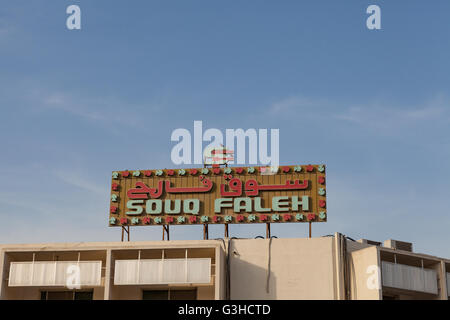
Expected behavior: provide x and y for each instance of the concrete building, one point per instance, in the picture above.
(331, 267)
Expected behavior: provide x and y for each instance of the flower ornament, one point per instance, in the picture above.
(216, 170)
(112, 220)
(157, 220)
(274, 169)
(309, 168)
(276, 217)
(123, 220)
(216, 219)
(311, 217)
(227, 176)
(115, 175)
(114, 197)
(252, 217)
(298, 169)
(146, 220)
(147, 173)
(287, 217)
(134, 220)
(267, 170)
(251, 170)
(299, 217)
(321, 191)
(239, 218)
(227, 170)
(126, 174)
(239, 170)
(170, 172)
(322, 215)
(322, 203)
(181, 219)
(169, 219)
(136, 173)
(205, 171)
(192, 219)
(113, 209)
(181, 172)
(286, 169)
(321, 168)
(193, 172)
(321, 180)
(204, 219)
(263, 217)
(159, 172)
(115, 187)
(228, 218)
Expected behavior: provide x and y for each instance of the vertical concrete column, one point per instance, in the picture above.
(221, 266)
(108, 275)
(339, 270)
(380, 279)
(218, 287)
(2, 275)
(443, 294)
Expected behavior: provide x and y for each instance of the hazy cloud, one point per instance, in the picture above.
(369, 114)
(297, 104)
(77, 180)
(105, 110)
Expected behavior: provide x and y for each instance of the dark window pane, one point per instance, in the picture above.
(59, 295)
(84, 295)
(183, 294)
(155, 295)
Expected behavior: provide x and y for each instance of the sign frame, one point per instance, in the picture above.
(190, 196)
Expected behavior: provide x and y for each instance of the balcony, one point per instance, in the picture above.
(162, 271)
(53, 273)
(411, 278)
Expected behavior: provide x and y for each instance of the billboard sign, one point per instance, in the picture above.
(218, 195)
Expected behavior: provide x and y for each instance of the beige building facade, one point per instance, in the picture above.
(331, 268)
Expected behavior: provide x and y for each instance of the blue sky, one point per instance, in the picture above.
(372, 105)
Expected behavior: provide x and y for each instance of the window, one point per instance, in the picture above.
(86, 295)
(183, 294)
(155, 295)
(171, 294)
(67, 295)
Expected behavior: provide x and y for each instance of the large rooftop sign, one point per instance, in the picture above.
(218, 195)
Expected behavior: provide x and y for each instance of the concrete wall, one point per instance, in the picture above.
(364, 268)
(300, 269)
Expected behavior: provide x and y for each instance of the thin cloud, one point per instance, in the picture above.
(81, 182)
(105, 110)
(63, 103)
(381, 116)
(387, 117)
(369, 114)
(12, 201)
(426, 113)
(109, 111)
(295, 104)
